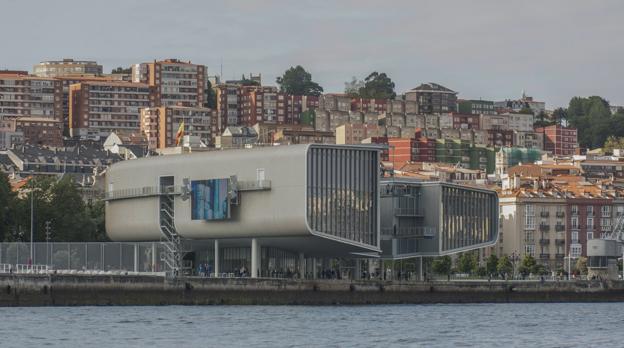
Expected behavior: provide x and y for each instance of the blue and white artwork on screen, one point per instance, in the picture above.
(209, 199)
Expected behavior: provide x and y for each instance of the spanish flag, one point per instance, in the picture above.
(180, 133)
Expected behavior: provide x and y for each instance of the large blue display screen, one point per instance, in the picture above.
(209, 199)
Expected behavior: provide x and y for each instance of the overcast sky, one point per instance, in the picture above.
(483, 49)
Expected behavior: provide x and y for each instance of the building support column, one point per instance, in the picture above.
(358, 269)
(420, 271)
(216, 258)
(302, 266)
(255, 253)
(153, 257)
(136, 257)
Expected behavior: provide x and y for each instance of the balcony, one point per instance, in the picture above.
(544, 228)
(544, 241)
(574, 212)
(410, 232)
(559, 241)
(559, 227)
(544, 214)
(560, 214)
(544, 256)
(408, 211)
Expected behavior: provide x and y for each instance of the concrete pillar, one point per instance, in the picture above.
(358, 269)
(136, 257)
(255, 253)
(420, 271)
(302, 266)
(153, 257)
(314, 274)
(216, 258)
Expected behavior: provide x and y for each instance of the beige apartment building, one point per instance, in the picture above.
(67, 66)
(174, 82)
(533, 223)
(354, 133)
(98, 108)
(161, 124)
(22, 95)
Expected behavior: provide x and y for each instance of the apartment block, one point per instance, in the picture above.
(174, 82)
(335, 102)
(433, 98)
(369, 105)
(476, 107)
(98, 108)
(520, 122)
(65, 67)
(22, 95)
(161, 124)
(466, 121)
(530, 139)
(69, 80)
(39, 130)
(558, 140)
(354, 133)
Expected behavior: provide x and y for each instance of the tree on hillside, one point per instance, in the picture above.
(352, 88)
(559, 116)
(442, 265)
(120, 70)
(613, 143)
(526, 110)
(377, 85)
(298, 81)
(594, 121)
(248, 82)
(211, 96)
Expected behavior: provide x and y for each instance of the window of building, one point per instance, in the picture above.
(590, 222)
(574, 236)
(574, 221)
(576, 250)
(574, 209)
(529, 250)
(590, 210)
(590, 235)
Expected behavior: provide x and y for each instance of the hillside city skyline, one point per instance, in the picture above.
(532, 49)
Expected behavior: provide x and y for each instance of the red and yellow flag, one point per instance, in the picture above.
(180, 133)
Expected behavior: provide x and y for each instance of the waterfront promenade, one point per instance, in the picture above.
(76, 290)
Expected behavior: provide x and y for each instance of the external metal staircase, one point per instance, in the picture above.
(172, 242)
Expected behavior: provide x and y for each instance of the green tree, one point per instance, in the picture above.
(491, 263)
(612, 143)
(248, 82)
(120, 70)
(504, 266)
(467, 263)
(581, 265)
(352, 88)
(378, 86)
(526, 110)
(443, 265)
(308, 117)
(527, 265)
(298, 81)
(594, 121)
(211, 96)
(7, 205)
(70, 222)
(559, 116)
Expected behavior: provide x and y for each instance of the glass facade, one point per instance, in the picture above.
(342, 186)
(468, 217)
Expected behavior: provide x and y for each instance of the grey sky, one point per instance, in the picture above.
(483, 49)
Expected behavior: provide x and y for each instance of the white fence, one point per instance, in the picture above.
(101, 257)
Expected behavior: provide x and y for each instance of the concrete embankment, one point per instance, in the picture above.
(79, 290)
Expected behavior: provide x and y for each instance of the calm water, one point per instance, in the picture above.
(489, 325)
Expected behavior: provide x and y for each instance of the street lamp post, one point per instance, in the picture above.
(32, 221)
